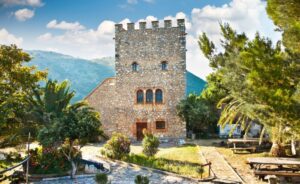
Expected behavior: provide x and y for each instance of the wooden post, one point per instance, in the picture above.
(28, 155)
(209, 169)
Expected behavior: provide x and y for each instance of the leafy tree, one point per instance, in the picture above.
(261, 81)
(198, 113)
(65, 126)
(17, 83)
(287, 17)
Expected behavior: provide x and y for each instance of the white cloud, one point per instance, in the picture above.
(24, 14)
(246, 16)
(34, 3)
(132, 1)
(92, 43)
(7, 38)
(64, 25)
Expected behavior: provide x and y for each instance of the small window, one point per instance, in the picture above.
(158, 96)
(149, 96)
(164, 65)
(140, 97)
(160, 125)
(135, 67)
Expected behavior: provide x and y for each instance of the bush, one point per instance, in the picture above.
(150, 144)
(101, 178)
(48, 161)
(139, 179)
(117, 146)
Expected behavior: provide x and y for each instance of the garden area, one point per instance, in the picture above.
(184, 160)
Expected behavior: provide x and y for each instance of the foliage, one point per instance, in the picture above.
(261, 81)
(199, 113)
(48, 161)
(101, 178)
(17, 82)
(182, 160)
(65, 126)
(286, 16)
(139, 179)
(117, 147)
(150, 144)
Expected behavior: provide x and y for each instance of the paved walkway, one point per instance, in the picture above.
(222, 170)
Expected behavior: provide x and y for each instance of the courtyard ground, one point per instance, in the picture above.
(226, 165)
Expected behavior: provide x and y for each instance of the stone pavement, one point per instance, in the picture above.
(222, 170)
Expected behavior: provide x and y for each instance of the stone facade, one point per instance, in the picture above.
(116, 98)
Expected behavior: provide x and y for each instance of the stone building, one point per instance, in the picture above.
(150, 81)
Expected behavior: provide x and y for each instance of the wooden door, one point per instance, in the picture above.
(139, 130)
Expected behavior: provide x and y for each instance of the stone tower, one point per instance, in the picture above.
(150, 81)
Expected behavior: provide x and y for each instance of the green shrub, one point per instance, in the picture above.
(101, 178)
(150, 144)
(139, 179)
(117, 147)
(48, 161)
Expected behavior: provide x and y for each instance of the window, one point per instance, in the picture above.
(164, 65)
(158, 96)
(135, 67)
(149, 96)
(160, 125)
(140, 97)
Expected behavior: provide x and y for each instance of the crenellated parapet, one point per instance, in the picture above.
(154, 25)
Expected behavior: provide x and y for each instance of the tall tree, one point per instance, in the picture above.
(286, 16)
(261, 81)
(17, 83)
(198, 113)
(64, 126)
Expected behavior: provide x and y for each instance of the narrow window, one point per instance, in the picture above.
(135, 67)
(160, 125)
(164, 65)
(149, 96)
(158, 96)
(140, 97)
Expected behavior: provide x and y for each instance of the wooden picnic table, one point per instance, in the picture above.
(286, 167)
(244, 142)
(274, 161)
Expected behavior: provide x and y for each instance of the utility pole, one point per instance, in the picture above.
(28, 157)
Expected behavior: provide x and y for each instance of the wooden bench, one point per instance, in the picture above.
(262, 173)
(251, 149)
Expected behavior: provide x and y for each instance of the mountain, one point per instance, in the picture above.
(84, 75)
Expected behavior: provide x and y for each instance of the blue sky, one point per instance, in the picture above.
(85, 28)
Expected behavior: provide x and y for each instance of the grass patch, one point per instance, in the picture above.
(4, 164)
(183, 160)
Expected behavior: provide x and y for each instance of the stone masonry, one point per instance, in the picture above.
(116, 98)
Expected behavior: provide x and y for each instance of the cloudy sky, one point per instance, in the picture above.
(85, 28)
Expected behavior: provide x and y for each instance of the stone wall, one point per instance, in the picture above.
(148, 48)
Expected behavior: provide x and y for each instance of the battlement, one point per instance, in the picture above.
(154, 24)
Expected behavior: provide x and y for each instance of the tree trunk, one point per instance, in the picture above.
(277, 149)
(74, 169)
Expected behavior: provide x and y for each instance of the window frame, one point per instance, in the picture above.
(164, 65)
(137, 96)
(135, 67)
(162, 96)
(164, 125)
(149, 102)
